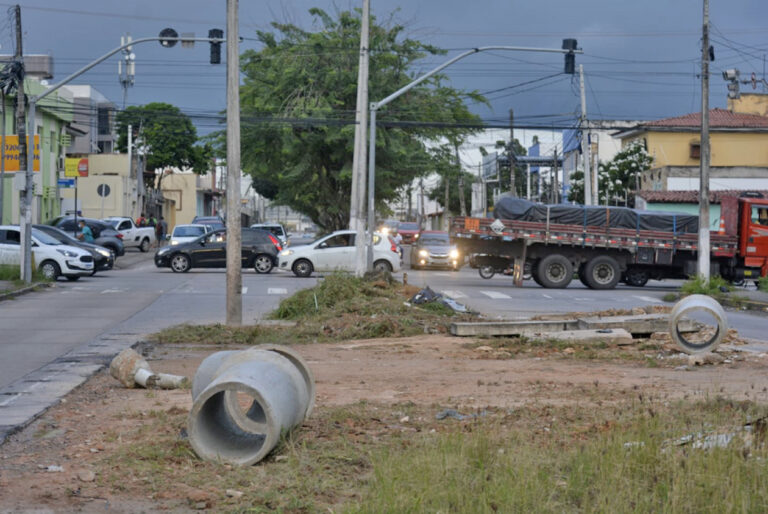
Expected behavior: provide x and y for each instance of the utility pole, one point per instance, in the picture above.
(357, 200)
(234, 234)
(25, 222)
(462, 201)
(555, 184)
(512, 152)
(704, 177)
(585, 141)
(2, 159)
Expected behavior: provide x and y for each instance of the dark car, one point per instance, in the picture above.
(103, 258)
(433, 248)
(215, 222)
(103, 233)
(260, 249)
(409, 231)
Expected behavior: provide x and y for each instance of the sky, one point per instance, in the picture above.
(641, 59)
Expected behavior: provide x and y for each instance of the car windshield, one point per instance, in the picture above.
(44, 238)
(215, 225)
(432, 239)
(188, 231)
(113, 223)
(408, 226)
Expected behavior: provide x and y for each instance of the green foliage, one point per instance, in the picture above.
(762, 284)
(618, 178)
(715, 286)
(168, 134)
(299, 100)
(11, 273)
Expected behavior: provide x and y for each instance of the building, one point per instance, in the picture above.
(739, 151)
(93, 122)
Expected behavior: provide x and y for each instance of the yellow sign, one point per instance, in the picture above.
(12, 153)
(76, 167)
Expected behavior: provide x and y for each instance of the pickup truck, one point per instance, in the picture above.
(142, 237)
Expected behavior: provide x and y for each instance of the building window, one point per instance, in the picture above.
(104, 121)
(695, 150)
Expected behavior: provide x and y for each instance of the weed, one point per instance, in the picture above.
(670, 297)
(762, 284)
(715, 286)
(11, 273)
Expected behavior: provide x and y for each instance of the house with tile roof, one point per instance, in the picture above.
(739, 151)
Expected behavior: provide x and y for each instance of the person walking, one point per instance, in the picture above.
(161, 230)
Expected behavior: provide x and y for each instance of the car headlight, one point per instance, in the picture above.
(453, 254)
(416, 236)
(423, 253)
(286, 253)
(174, 242)
(104, 253)
(67, 253)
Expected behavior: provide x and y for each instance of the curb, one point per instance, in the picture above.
(740, 303)
(24, 290)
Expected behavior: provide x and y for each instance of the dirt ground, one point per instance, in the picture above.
(61, 462)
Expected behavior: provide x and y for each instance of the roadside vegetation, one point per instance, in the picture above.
(10, 273)
(762, 284)
(340, 307)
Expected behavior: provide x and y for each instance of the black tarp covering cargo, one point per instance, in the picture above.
(513, 208)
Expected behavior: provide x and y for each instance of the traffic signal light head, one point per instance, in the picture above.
(570, 57)
(215, 46)
(731, 74)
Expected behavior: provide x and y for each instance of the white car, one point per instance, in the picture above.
(276, 229)
(141, 237)
(187, 233)
(336, 252)
(52, 258)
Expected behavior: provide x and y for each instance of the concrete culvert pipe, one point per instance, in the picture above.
(244, 400)
(710, 308)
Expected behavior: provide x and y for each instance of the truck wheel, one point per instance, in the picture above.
(582, 275)
(602, 272)
(555, 271)
(144, 246)
(535, 277)
(636, 277)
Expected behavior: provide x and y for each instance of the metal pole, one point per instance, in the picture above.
(130, 168)
(512, 185)
(555, 184)
(371, 185)
(585, 141)
(704, 178)
(234, 242)
(2, 162)
(528, 184)
(356, 221)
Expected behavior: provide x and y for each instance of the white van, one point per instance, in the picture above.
(52, 258)
(276, 229)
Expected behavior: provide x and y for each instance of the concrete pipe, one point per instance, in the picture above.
(701, 303)
(244, 400)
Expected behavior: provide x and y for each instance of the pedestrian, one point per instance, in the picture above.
(152, 221)
(161, 230)
(398, 238)
(141, 221)
(86, 234)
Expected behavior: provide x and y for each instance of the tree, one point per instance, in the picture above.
(452, 179)
(167, 133)
(299, 98)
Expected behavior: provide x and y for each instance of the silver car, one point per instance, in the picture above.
(433, 248)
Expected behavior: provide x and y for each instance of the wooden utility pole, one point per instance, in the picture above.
(234, 234)
(704, 178)
(512, 152)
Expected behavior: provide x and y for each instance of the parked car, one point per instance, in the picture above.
(276, 229)
(433, 248)
(336, 251)
(103, 258)
(186, 233)
(215, 222)
(103, 233)
(388, 227)
(409, 230)
(52, 258)
(259, 251)
(133, 236)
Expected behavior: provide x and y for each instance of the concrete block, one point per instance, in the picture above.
(617, 336)
(639, 324)
(510, 328)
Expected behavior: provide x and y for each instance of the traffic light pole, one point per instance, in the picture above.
(26, 213)
(375, 106)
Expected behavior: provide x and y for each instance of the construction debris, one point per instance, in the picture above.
(131, 369)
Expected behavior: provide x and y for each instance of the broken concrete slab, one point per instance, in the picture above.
(617, 336)
(510, 328)
(643, 324)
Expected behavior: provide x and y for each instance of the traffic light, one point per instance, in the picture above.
(215, 46)
(570, 57)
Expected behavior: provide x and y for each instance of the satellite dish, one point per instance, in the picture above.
(171, 35)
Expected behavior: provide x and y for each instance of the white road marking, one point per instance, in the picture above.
(277, 290)
(647, 299)
(441, 274)
(546, 296)
(10, 400)
(245, 290)
(108, 291)
(454, 294)
(496, 295)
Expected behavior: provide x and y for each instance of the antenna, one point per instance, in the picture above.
(126, 67)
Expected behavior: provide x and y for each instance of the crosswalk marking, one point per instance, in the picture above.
(245, 290)
(277, 290)
(647, 299)
(496, 295)
(454, 294)
(107, 291)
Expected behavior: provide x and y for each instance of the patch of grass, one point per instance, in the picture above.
(11, 273)
(670, 297)
(715, 286)
(762, 284)
(338, 308)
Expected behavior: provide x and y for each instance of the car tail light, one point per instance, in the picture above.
(119, 235)
(393, 246)
(275, 242)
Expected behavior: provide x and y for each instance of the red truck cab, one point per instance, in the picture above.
(753, 235)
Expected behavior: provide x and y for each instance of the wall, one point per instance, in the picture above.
(112, 171)
(182, 189)
(727, 148)
(750, 103)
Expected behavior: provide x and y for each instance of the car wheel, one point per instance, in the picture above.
(50, 270)
(555, 271)
(636, 277)
(144, 246)
(302, 268)
(486, 271)
(263, 263)
(381, 266)
(180, 263)
(73, 278)
(602, 272)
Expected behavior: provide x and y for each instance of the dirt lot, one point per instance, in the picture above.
(94, 451)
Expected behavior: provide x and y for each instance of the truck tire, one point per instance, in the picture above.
(555, 271)
(602, 272)
(582, 275)
(636, 277)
